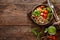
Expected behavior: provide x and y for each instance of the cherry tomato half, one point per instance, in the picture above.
(51, 37)
(54, 37)
(45, 11)
(45, 16)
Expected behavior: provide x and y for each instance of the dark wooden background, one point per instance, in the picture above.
(14, 22)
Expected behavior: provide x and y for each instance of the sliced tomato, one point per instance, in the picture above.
(45, 11)
(51, 37)
(54, 37)
(45, 15)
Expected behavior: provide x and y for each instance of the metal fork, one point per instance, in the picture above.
(54, 12)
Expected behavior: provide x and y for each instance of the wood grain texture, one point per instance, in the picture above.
(21, 1)
(14, 22)
(16, 33)
(14, 16)
(17, 14)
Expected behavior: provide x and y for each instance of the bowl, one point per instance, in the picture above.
(50, 20)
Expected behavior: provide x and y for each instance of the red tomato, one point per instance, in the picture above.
(50, 39)
(45, 11)
(45, 16)
(54, 37)
(50, 36)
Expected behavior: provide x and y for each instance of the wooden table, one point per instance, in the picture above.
(14, 22)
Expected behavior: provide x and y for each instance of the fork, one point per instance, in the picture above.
(54, 13)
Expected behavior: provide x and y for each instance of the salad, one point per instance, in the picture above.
(42, 14)
(47, 34)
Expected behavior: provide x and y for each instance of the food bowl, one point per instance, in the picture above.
(40, 15)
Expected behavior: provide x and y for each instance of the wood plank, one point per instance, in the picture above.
(16, 33)
(26, 1)
(11, 15)
(17, 14)
(21, 1)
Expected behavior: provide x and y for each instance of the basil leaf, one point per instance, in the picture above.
(46, 30)
(34, 31)
(36, 13)
(38, 35)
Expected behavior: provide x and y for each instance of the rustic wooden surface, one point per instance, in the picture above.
(14, 22)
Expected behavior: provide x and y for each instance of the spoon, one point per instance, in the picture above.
(54, 13)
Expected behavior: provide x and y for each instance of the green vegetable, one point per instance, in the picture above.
(36, 13)
(46, 30)
(52, 30)
(49, 15)
(37, 34)
(49, 9)
(34, 31)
